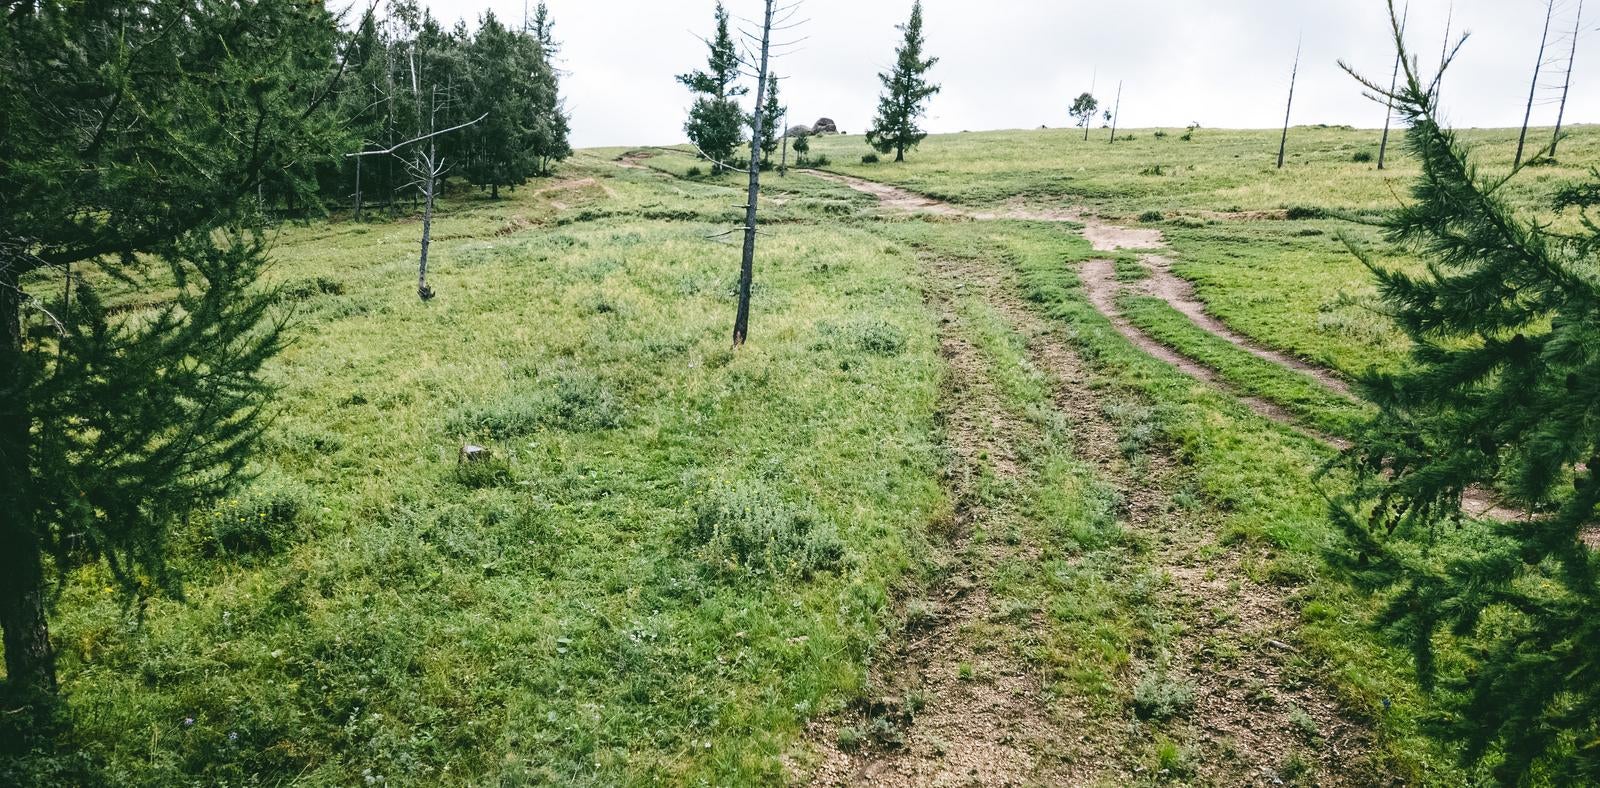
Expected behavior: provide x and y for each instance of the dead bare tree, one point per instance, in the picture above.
(1116, 113)
(1544, 39)
(427, 170)
(1394, 82)
(741, 321)
(1294, 75)
(1566, 86)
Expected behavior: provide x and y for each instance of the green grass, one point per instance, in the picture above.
(680, 555)
(1221, 170)
(577, 611)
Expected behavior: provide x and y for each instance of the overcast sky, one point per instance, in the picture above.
(1018, 63)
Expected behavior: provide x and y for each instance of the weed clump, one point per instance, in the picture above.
(265, 521)
(1150, 217)
(874, 336)
(1302, 212)
(1362, 157)
(573, 401)
(870, 158)
(748, 528)
(1158, 697)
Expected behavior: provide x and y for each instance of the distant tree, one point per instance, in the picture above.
(716, 123)
(906, 91)
(545, 126)
(1503, 391)
(772, 112)
(1083, 109)
(802, 147)
(501, 88)
(134, 140)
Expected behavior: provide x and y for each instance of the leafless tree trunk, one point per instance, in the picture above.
(1566, 87)
(1116, 114)
(1544, 39)
(1444, 55)
(358, 187)
(429, 181)
(783, 166)
(1394, 83)
(1294, 75)
(741, 321)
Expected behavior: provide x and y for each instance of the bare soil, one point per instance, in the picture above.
(1256, 715)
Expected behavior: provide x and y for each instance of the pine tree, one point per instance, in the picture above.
(500, 88)
(134, 142)
(1503, 392)
(544, 124)
(906, 92)
(716, 123)
(772, 112)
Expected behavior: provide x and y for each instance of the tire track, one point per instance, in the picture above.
(1103, 289)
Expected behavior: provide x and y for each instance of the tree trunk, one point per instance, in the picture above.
(747, 265)
(494, 191)
(1294, 75)
(423, 291)
(783, 168)
(1566, 88)
(1522, 141)
(30, 663)
(358, 186)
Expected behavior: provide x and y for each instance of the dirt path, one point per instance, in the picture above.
(1103, 288)
(1179, 294)
(947, 707)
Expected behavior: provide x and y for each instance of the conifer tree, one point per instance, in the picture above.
(906, 91)
(772, 112)
(545, 126)
(134, 141)
(500, 88)
(1503, 391)
(716, 123)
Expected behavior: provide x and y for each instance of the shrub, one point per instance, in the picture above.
(573, 401)
(870, 158)
(694, 172)
(1362, 157)
(1152, 216)
(1159, 697)
(264, 521)
(821, 161)
(872, 335)
(1161, 135)
(746, 527)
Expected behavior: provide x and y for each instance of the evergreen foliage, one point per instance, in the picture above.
(906, 92)
(716, 123)
(1503, 393)
(138, 142)
(772, 130)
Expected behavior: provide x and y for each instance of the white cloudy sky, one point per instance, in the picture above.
(1017, 63)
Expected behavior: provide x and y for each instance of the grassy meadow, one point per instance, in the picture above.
(680, 556)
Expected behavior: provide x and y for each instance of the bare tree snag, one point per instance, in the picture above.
(1527, 117)
(1394, 82)
(1294, 75)
(741, 321)
(1566, 87)
(1116, 114)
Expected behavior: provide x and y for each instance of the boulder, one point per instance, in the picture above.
(824, 126)
(799, 130)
